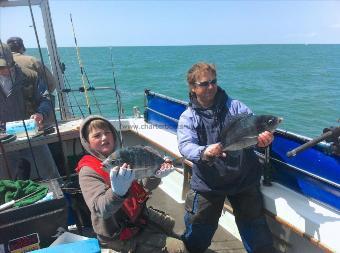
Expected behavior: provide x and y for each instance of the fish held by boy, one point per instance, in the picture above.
(144, 160)
(243, 130)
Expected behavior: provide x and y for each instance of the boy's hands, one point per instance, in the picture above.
(166, 169)
(121, 179)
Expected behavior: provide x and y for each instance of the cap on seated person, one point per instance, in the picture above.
(16, 44)
(6, 57)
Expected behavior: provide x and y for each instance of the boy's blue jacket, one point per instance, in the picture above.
(199, 127)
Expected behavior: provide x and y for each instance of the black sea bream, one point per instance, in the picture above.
(143, 159)
(242, 130)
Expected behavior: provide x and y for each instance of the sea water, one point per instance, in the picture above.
(300, 83)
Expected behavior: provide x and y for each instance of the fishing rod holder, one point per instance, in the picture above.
(333, 139)
(81, 89)
(72, 90)
(267, 168)
(331, 135)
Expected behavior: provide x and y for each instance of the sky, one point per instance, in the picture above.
(164, 23)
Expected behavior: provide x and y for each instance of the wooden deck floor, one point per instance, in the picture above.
(222, 241)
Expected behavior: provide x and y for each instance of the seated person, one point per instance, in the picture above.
(108, 194)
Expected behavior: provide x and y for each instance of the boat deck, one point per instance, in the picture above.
(222, 241)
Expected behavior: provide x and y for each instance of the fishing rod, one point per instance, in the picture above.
(92, 92)
(75, 98)
(81, 68)
(84, 74)
(331, 134)
(68, 98)
(11, 203)
(4, 138)
(118, 100)
(51, 104)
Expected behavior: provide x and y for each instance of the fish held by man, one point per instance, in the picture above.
(144, 160)
(243, 130)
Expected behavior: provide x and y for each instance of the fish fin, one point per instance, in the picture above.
(152, 150)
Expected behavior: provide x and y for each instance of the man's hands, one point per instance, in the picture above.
(213, 150)
(265, 139)
(38, 117)
(121, 179)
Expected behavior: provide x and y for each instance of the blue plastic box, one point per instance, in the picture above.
(85, 246)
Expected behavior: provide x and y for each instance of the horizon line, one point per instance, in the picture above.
(198, 45)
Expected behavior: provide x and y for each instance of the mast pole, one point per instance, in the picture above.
(54, 59)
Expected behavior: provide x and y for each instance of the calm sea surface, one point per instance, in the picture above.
(300, 83)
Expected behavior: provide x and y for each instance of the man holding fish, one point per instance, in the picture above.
(217, 133)
(117, 201)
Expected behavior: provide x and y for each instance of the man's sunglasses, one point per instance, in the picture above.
(206, 83)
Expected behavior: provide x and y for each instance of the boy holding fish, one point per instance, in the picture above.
(111, 196)
(219, 174)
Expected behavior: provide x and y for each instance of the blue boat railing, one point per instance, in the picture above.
(163, 111)
(314, 172)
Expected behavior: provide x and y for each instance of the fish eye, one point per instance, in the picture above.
(270, 121)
